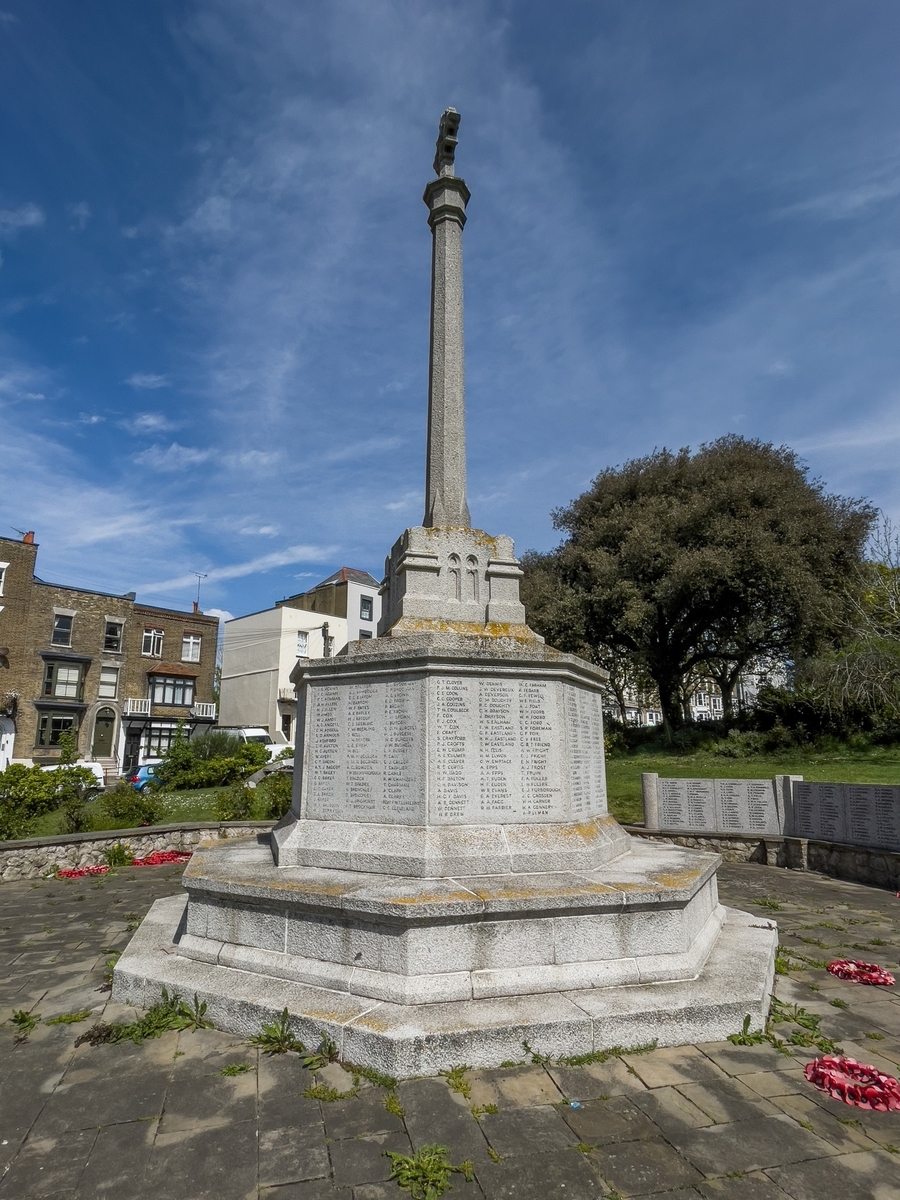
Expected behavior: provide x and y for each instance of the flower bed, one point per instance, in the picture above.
(156, 859)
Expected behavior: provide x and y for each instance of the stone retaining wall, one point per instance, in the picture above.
(33, 858)
(859, 864)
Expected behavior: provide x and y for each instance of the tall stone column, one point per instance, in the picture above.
(445, 481)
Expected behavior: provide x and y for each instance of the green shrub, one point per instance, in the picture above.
(235, 804)
(182, 769)
(268, 801)
(125, 804)
(216, 743)
(25, 793)
(274, 796)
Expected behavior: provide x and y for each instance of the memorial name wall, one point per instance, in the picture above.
(448, 749)
(848, 813)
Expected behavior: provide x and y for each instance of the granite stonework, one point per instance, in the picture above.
(411, 975)
(449, 882)
(436, 753)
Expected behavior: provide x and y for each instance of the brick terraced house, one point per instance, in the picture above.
(121, 675)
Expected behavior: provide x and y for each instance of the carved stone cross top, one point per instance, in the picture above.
(445, 151)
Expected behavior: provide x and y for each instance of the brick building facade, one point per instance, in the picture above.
(118, 673)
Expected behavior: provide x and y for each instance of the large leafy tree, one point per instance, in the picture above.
(706, 560)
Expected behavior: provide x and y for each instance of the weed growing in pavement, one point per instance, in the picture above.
(426, 1174)
(69, 1018)
(772, 905)
(388, 1082)
(890, 1147)
(540, 1060)
(277, 1037)
(169, 1013)
(497, 1158)
(875, 1037)
(745, 1037)
(393, 1105)
(602, 1056)
(25, 1023)
(584, 1147)
(326, 1053)
(838, 1003)
(118, 855)
(108, 971)
(480, 1110)
(328, 1095)
(457, 1082)
(235, 1069)
(808, 1034)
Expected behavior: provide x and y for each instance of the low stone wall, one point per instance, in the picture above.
(33, 858)
(858, 864)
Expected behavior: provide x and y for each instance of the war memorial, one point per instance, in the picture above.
(449, 883)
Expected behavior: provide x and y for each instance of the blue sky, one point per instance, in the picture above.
(214, 287)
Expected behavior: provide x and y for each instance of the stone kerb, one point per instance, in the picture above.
(33, 858)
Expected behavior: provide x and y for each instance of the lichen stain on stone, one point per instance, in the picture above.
(431, 898)
(490, 630)
(532, 893)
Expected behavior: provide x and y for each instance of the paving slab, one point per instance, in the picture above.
(160, 1119)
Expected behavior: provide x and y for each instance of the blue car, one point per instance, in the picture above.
(142, 777)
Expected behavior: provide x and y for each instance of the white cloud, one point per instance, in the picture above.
(362, 449)
(90, 418)
(259, 531)
(147, 381)
(173, 458)
(267, 562)
(27, 216)
(222, 613)
(80, 214)
(148, 422)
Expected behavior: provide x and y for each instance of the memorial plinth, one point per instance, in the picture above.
(449, 882)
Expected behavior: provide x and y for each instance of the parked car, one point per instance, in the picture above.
(141, 777)
(95, 769)
(252, 733)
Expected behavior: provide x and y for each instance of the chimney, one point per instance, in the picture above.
(196, 604)
(28, 539)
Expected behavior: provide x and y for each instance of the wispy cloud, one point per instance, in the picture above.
(266, 562)
(363, 449)
(26, 216)
(147, 382)
(171, 458)
(148, 422)
(80, 214)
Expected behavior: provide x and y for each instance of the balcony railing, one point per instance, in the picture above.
(207, 711)
(137, 707)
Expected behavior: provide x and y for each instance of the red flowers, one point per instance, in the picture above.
(156, 859)
(861, 972)
(854, 1083)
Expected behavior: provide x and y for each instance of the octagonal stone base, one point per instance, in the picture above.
(410, 976)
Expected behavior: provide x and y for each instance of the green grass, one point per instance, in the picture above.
(197, 805)
(879, 765)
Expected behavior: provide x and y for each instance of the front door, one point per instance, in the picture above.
(104, 728)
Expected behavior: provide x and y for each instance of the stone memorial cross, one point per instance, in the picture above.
(446, 197)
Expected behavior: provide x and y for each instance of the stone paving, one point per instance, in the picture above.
(717, 1121)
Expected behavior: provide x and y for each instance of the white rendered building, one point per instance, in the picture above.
(258, 654)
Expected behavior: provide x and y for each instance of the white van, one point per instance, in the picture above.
(252, 733)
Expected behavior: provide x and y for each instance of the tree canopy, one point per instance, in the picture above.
(710, 559)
